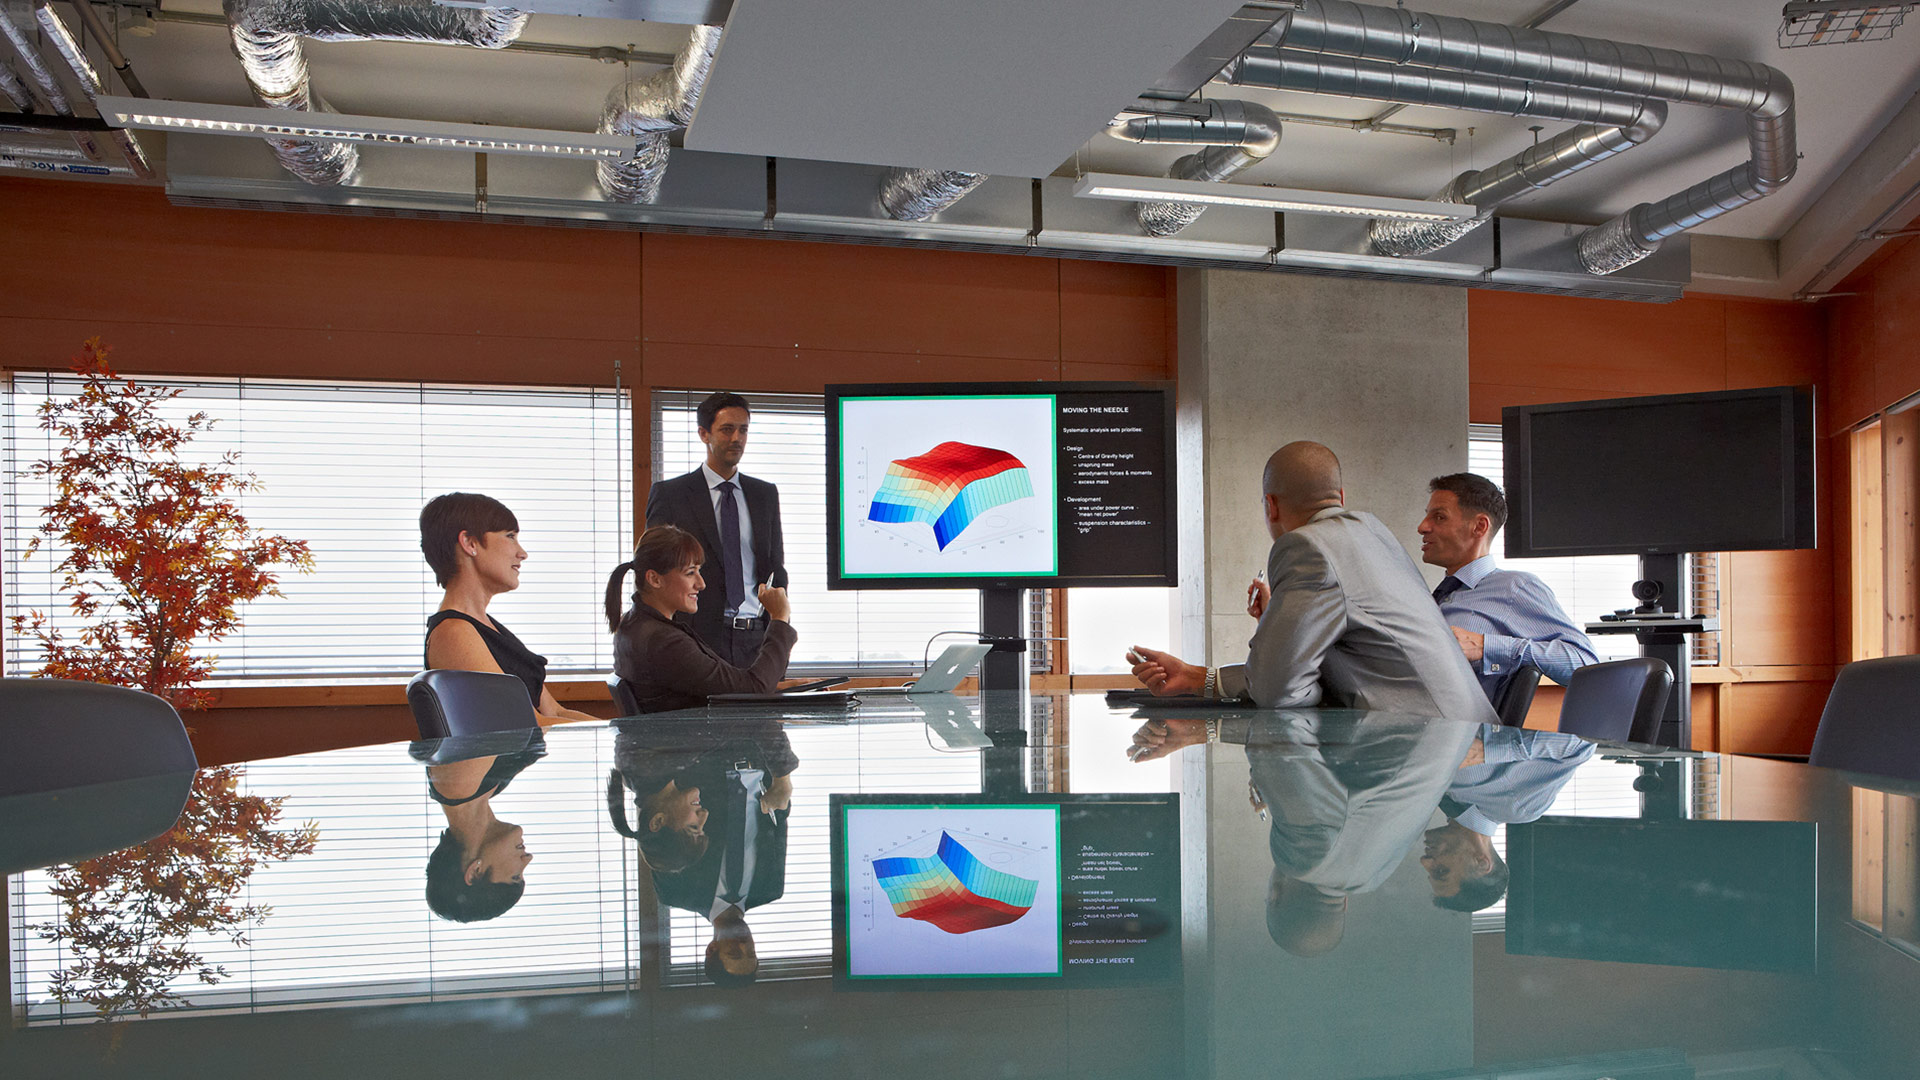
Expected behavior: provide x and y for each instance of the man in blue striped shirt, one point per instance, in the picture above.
(1503, 619)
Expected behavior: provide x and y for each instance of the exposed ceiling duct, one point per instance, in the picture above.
(1530, 170)
(1237, 134)
(15, 90)
(650, 109)
(918, 194)
(266, 38)
(69, 49)
(42, 76)
(1401, 37)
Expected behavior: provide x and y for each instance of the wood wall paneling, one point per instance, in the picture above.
(1866, 533)
(1900, 451)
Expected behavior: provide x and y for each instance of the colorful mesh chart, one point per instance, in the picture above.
(948, 486)
(953, 890)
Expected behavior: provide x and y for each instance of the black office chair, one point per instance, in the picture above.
(1870, 723)
(623, 699)
(88, 769)
(446, 702)
(1621, 701)
(1516, 697)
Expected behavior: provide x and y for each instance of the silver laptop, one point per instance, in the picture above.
(942, 675)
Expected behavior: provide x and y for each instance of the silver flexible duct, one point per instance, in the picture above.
(1346, 76)
(918, 194)
(42, 76)
(1399, 36)
(15, 90)
(1530, 170)
(650, 109)
(266, 38)
(1237, 134)
(69, 49)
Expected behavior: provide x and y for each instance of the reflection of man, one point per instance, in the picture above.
(737, 519)
(1510, 776)
(1504, 620)
(1346, 620)
(744, 772)
(1348, 793)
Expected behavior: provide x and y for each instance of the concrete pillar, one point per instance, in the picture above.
(1375, 370)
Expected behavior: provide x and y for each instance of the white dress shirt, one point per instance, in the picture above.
(750, 607)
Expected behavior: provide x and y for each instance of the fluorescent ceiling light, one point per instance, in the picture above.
(153, 115)
(1166, 189)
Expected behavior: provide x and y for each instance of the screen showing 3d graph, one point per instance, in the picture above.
(992, 485)
(943, 891)
(948, 486)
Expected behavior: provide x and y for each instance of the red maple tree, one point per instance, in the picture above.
(158, 557)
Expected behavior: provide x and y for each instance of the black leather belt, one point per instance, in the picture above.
(744, 622)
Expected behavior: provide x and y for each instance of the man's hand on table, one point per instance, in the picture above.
(1165, 674)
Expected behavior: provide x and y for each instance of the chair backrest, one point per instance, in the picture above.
(623, 700)
(93, 768)
(1872, 720)
(59, 734)
(446, 702)
(1516, 697)
(1619, 701)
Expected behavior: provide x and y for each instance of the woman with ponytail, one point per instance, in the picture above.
(659, 660)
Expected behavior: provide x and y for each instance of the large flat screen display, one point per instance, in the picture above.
(1029, 485)
(1724, 471)
(929, 889)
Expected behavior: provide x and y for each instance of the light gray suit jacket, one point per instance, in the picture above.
(1351, 624)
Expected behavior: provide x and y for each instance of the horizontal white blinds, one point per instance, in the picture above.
(349, 923)
(347, 467)
(873, 630)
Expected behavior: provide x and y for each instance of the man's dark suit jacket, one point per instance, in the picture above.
(699, 755)
(686, 502)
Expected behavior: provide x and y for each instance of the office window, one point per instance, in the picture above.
(1587, 586)
(1102, 624)
(347, 467)
(878, 630)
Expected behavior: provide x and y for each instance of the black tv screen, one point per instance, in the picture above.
(1725, 471)
(996, 485)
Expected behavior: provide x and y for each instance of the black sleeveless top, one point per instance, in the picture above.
(508, 651)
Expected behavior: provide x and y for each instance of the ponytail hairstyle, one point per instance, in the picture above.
(667, 851)
(662, 549)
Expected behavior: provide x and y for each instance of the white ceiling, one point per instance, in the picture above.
(1846, 94)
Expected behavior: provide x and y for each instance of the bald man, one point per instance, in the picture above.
(1345, 619)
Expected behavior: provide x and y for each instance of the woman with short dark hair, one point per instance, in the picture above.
(473, 544)
(660, 661)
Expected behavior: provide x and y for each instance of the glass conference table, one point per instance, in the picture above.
(998, 888)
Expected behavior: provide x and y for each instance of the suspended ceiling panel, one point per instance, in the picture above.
(1009, 87)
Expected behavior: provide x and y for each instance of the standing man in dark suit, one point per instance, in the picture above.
(737, 519)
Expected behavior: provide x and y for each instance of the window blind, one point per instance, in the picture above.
(876, 631)
(349, 924)
(347, 468)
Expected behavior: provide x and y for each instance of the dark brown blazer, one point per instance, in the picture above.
(666, 666)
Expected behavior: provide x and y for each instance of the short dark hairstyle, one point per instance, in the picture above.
(662, 549)
(447, 516)
(450, 897)
(1479, 892)
(709, 409)
(1477, 495)
(719, 975)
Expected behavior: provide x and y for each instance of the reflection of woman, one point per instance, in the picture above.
(739, 772)
(662, 662)
(473, 544)
(478, 869)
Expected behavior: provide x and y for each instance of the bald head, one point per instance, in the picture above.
(1303, 477)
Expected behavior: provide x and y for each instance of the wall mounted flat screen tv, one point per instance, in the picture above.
(1725, 471)
(1000, 485)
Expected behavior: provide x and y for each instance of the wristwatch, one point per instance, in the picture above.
(1212, 687)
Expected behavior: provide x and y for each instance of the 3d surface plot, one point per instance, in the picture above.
(948, 486)
(953, 890)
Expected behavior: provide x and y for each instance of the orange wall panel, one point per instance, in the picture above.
(1772, 717)
(1578, 348)
(1114, 317)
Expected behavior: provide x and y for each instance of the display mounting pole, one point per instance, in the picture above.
(1003, 625)
(1676, 726)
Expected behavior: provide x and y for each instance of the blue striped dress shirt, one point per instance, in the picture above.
(1521, 622)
